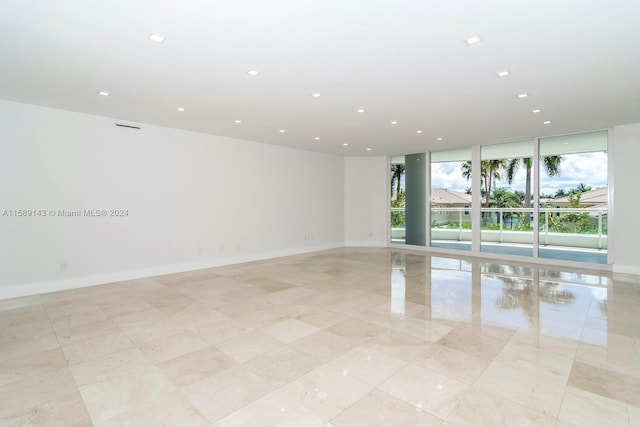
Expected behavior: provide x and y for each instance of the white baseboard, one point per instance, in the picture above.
(368, 244)
(626, 269)
(26, 289)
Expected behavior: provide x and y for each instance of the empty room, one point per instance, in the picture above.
(319, 213)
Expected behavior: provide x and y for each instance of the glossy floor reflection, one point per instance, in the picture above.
(347, 337)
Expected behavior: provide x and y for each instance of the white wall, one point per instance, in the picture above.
(193, 200)
(626, 199)
(365, 201)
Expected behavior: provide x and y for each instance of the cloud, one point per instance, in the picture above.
(448, 175)
(589, 169)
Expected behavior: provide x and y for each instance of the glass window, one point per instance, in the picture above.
(507, 209)
(451, 199)
(398, 197)
(574, 197)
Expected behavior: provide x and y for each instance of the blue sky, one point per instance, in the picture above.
(589, 169)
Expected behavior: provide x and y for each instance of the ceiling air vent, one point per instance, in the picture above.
(127, 126)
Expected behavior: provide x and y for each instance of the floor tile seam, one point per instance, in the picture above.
(586, 317)
(464, 395)
(71, 303)
(124, 331)
(626, 408)
(145, 401)
(35, 310)
(108, 376)
(527, 369)
(290, 348)
(615, 368)
(422, 353)
(404, 365)
(48, 371)
(422, 409)
(444, 375)
(195, 407)
(61, 348)
(335, 357)
(508, 400)
(175, 357)
(183, 397)
(527, 405)
(550, 377)
(75, 393)
(69, 364)
(573, 361)
(597, 393)
(50, 324)
(564, 396)
(213, 423)
(352, 404)
(254, 357)
(84, 404)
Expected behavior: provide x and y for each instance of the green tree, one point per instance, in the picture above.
(560, 193)
(490, 173)
(398, 217)
(503, 198)
(573, 222)
(580, 188)
(397, 170)
(551, 165)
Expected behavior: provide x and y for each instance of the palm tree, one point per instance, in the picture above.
(503, 198)
(581, 188)
(551, 166)
(560, 193)
(520, 294)
(490, 173)
(397, 170)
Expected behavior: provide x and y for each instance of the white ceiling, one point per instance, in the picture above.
(403, 60)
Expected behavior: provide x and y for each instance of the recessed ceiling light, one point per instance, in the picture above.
(394, 122)
(439, 139)
(418, 131)
(473, 40)
(368, 149)
(103, 93)
(546, 122)
(315, 95)
(317, 138)
(345, 144)
(537, 110)
(360, 110)
(253, 72)
(504, 73)
(156, 38)
(180, 109)
(237, 121)
(282, 131)
(523, 95)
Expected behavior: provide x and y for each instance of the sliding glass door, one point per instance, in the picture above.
(451, 199)
(574, 197)
(508, 174)
(551, 206)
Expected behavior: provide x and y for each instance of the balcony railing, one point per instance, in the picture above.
(572, 227)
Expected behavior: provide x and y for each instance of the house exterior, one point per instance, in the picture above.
(597, 198)
(444, 198)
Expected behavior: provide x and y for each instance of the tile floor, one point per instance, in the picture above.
(344, 338)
